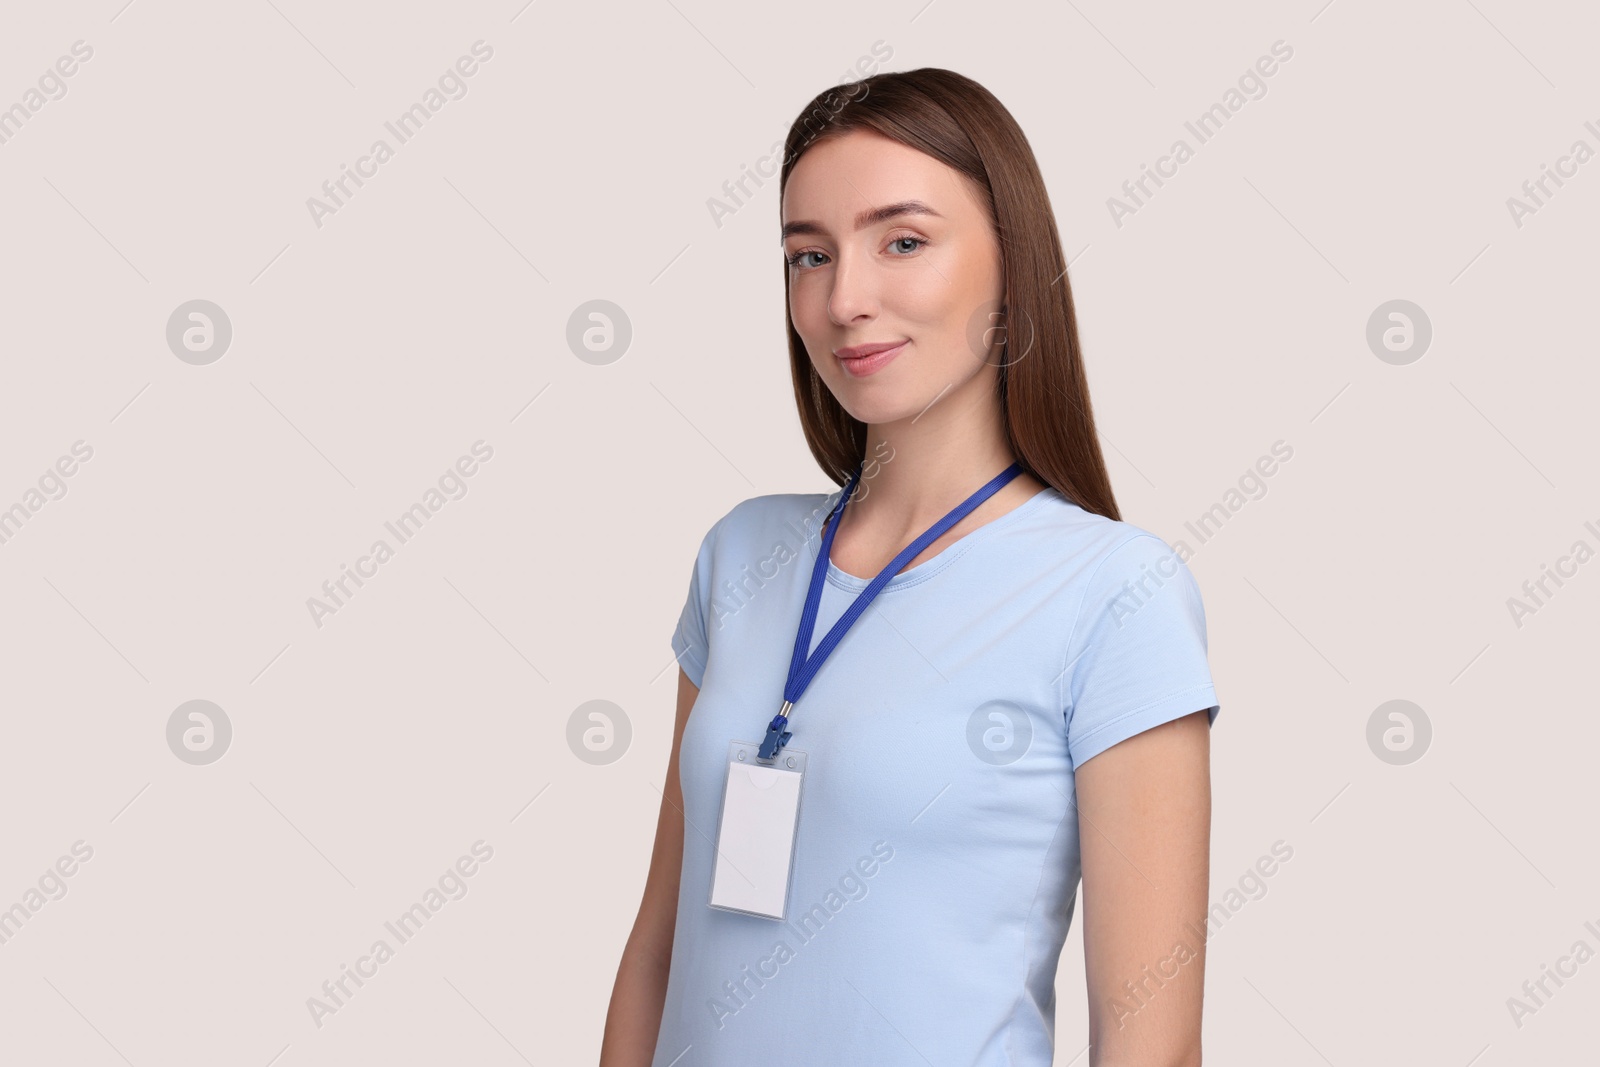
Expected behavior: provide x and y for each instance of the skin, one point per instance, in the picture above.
(1144, 805)
(633, 1021)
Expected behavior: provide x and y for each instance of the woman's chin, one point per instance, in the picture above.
(878, 410)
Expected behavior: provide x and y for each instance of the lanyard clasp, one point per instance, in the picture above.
(777, 736)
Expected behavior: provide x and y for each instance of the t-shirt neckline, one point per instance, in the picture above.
(929, 567)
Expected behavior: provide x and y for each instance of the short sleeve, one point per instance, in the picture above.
(1136, 657)
(691, 641)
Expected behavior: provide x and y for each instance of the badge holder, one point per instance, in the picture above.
(757, 830)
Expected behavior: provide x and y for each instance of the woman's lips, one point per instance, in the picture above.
(865, 365)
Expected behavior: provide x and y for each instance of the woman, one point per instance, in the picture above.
(1026, 700)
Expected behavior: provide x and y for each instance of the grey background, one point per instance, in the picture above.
(432, 311)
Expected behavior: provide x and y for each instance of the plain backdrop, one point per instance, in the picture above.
(372, 743)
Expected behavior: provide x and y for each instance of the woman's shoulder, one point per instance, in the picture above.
(783, 507)
(1089, 542)
(792, 517)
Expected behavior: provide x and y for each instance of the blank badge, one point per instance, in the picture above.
(756, 831)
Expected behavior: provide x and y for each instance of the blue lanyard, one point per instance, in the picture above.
(803, 668)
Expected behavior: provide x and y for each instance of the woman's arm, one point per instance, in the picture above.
(634, 1018)
(1144, 823)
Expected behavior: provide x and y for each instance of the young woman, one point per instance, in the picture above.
(1024, 702)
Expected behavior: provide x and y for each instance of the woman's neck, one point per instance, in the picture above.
(918, 470)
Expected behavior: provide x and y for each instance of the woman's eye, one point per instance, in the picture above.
(799, 261)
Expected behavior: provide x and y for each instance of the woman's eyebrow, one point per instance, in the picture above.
(869, 217)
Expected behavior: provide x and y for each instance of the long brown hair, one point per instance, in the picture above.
(1043, 393)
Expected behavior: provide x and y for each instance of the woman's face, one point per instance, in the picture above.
(925, 277)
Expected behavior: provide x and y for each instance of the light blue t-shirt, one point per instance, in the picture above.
(937, 864)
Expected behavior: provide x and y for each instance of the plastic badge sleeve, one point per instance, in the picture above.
(756, 831)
